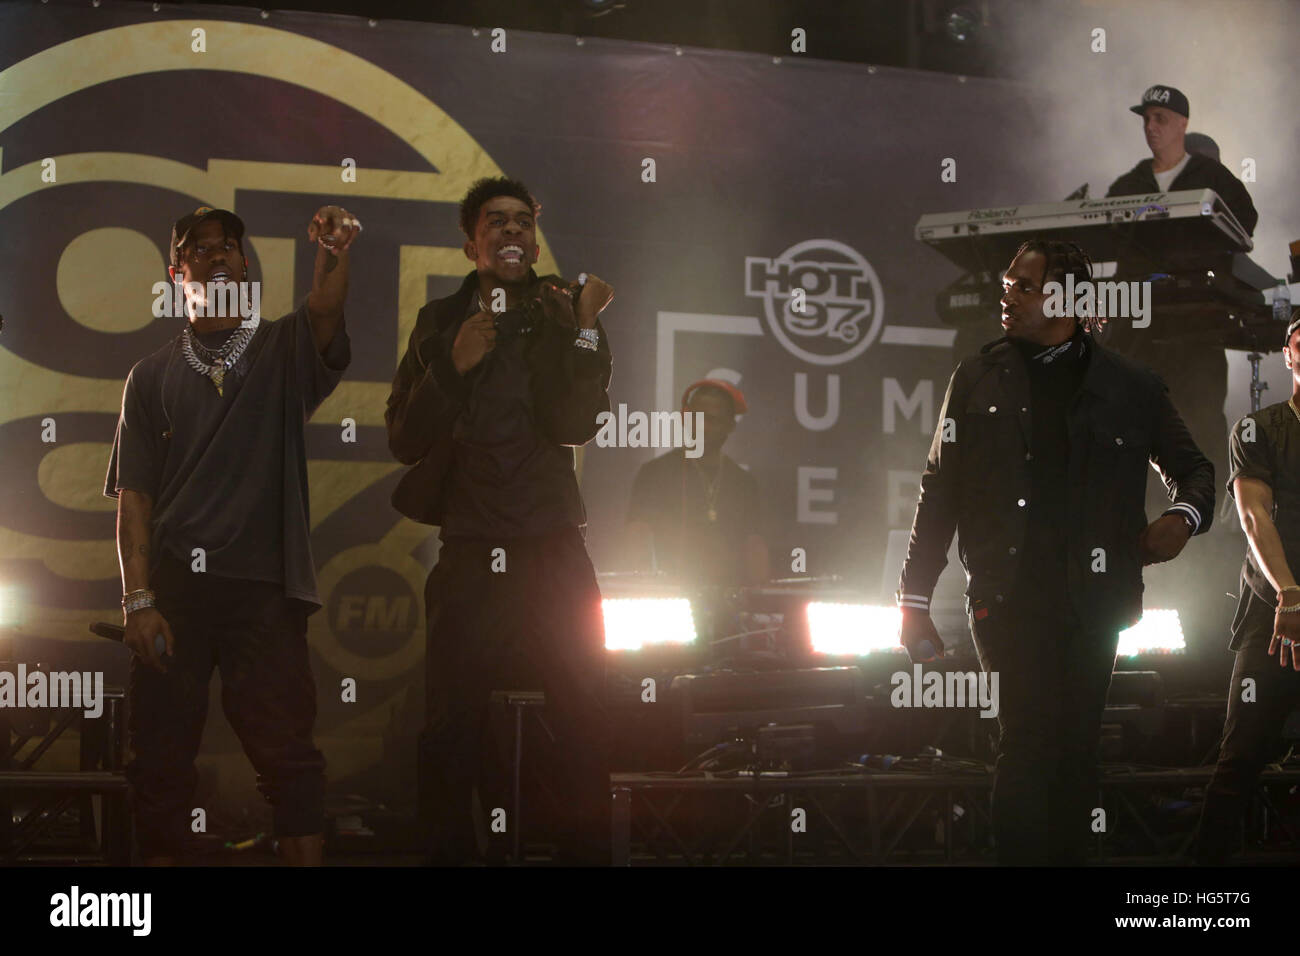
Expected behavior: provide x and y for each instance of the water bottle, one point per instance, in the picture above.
(1282, 303)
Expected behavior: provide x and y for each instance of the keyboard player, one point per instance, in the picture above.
(1186, 350)
(1164, 111)
(1193, 366)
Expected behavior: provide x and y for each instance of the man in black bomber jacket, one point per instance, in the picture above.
(1039, 464)
(499, 381)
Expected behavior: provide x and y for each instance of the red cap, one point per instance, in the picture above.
(737, 396)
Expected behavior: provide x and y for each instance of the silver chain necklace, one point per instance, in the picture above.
(220, 362)
(215, 356)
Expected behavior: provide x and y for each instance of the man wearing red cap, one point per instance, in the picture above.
(699, 518)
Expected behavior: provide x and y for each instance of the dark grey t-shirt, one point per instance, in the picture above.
(228, 473)
(1266, 445)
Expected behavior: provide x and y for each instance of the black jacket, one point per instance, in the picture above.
(976, 483)
(1201, 172)
(569, 389)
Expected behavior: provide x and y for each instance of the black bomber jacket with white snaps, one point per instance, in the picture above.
(977, 481)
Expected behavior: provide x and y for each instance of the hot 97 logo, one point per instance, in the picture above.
(840, 311)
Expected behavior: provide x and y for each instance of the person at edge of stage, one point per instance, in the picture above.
(1264, 480)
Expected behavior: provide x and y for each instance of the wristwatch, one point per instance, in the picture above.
(1182, 513)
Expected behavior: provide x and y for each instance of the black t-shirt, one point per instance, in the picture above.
(1266, 446)
(671, 495)
(506, 478)
(228, 472)
(1055, 374)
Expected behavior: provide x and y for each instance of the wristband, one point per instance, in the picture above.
(916, 602)
(1184, 511)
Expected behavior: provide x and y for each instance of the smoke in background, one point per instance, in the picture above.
(1234, 60)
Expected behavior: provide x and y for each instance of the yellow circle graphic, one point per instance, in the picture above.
(281, 55)
(102, 275)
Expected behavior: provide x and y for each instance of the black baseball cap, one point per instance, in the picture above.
(233, 225)
(1166, 96)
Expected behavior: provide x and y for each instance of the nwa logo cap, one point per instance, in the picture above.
(1166, 96)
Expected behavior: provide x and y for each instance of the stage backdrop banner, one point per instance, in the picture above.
(704, 186)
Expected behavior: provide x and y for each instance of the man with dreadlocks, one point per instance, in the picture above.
(1039, 465)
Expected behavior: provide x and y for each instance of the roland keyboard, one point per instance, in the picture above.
(1144, 233)
(1187, 244)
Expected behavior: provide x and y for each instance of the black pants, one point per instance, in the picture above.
(1053, 675)
(540, 617)
(258, 638)
(1251, 733)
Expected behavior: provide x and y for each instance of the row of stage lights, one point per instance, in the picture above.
(834, 629)
(837, 630)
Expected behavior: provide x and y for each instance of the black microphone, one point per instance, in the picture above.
(116, 632)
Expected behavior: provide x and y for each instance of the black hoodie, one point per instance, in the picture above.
(1201, 172)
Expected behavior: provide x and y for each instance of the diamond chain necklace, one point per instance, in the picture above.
(222, 361)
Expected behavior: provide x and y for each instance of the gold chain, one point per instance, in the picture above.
(711, 489)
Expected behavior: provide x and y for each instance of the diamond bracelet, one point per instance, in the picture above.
(137, 600)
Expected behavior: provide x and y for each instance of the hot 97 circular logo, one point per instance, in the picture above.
(822, 300)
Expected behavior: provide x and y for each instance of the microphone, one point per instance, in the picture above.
(925, 650)
(115, 632)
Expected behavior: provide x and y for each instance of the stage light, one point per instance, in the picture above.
(852, 629)
(1158, 631)
(634, 623)
(8, 606)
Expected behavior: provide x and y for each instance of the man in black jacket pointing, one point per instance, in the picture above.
(1039, 465)
(499, 381)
